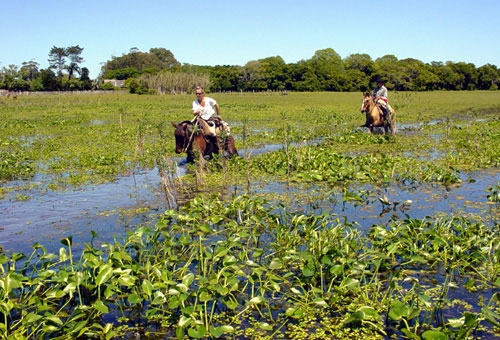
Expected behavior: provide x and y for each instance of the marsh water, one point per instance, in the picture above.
(113, 209)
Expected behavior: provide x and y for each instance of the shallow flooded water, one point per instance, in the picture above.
(113, 209)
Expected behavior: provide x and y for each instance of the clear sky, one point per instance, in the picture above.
(233, 32)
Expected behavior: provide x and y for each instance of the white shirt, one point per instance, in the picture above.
(207, 111)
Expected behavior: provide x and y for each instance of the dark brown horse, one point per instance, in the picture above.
(189, 138)
(375, 116)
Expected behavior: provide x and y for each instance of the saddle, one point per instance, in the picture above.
(213, 127)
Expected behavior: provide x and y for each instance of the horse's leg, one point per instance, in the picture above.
(230, 146)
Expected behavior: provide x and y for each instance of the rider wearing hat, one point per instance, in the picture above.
(380, 98)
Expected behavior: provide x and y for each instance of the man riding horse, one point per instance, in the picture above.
(215, 131)
(380, 98)
(207, 109)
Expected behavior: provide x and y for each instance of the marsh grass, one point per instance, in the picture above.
(92, 138)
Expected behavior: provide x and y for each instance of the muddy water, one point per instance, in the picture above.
(111, 210)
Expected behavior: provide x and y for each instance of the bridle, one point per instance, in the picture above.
(365, 104)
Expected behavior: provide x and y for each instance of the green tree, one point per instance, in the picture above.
(272, 70)
(448, 79)
(29, 70)
(73, 53)
(49, 80)
(85, 79)
(329, 69)
(387, 67)
(359, 70)
(426, 80)
(303, 77)
(252, 77)
(225, 78)
(157, 59)
(468, 75)
(488, 76)
(165, 57)
(57, 59)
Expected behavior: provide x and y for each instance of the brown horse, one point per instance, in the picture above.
(189, 138)
(375, 116)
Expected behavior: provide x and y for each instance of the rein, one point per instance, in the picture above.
(186, 144)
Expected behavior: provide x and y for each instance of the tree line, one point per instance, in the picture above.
(158, 71)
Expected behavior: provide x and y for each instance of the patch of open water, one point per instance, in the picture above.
(113, 209)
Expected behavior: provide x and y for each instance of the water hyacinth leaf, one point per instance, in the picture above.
(425, 299)
(31, 318)
(221, 252)
(78, 329)
(227, 329)
(294, 312)
(184, 321)
(127, 280)
(179, 332)
(198, 331)
(398, 310)
(63, 254)
(147, 287)
(101, 307)
(231, 303)
(174, 303)
(68, 241)
(182, 287)
(337, 269)
(187, 279)
(105, 274)
(275, 264)
(434, 335)
(351, 284)
(205, 228)
(222, 290)
(325, 259)
(320, 302)
(358, 315)
(173, 291)
(8, 283)
(256, 300)
(418, 258)
(275, 286)
(205, 296)
(265, 326)
(309, 270)
(70, 288)
(134, 299)
(216, 332)
(229, 260)
(216, 219)
(54, 319)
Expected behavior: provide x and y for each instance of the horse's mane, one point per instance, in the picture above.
(181, 125)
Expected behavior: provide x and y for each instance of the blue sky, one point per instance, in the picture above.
(224, 32)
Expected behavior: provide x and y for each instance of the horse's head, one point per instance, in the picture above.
(366, 102)
(182, 134)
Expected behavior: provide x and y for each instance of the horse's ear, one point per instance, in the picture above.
(174, 124)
